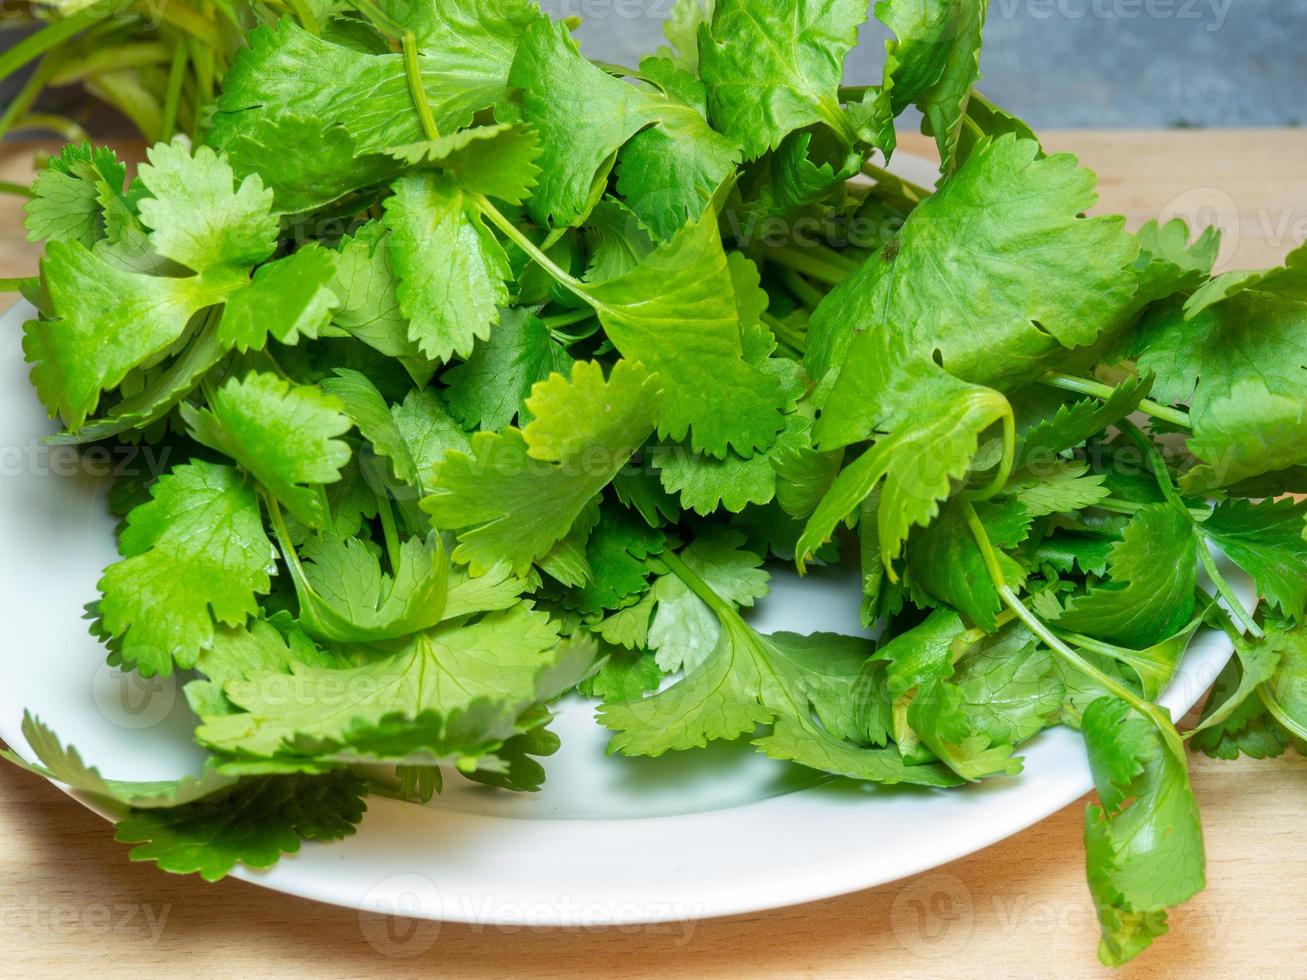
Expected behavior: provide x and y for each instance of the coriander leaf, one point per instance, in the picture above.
(705, 484)
(365, 286)
(519, 492)
(345, 597)
(1072, 423)
(196, 217)
(1245, 433)
(750, 680)
(689, 333)
(66, 195)
(1285, 692)
(1064, 486)
(488, 390)
(933, 62)
(452, 270)
(668, 173)
(1009, 219)
(65, 765)
(362, 97)
(284, 435)
(773, 69)
(498, 161)
(946, 561)
(287, 299)
(1266, 541)
(252, 823)
(195, 553)
(917, 463)
(616, 553)
(1233, 701)
(484, 667)
(1143, 843)
(1149, 593)
(428, 432)
(682, 32)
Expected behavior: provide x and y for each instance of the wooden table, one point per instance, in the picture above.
(70, 901)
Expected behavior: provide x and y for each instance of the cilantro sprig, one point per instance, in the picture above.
(487, 373)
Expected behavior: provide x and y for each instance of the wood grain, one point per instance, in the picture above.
(70, 901)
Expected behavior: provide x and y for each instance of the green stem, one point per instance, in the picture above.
(804, 291)
(1163, 476)
(46, 39)
(304, 14)
(14, 285)
(1004, 474)
(786, 334)
(514, 234)
(711, 599)
(173, 96)
(22, 190)
(32, 88)
(1225, 592)
(563, 320)
(1083, 386)
(1046, 635)
(418, 90)
(912, 193)
(810, 265)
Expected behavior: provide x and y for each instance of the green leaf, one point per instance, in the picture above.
(933, 62)
(519, 492)
(286, 299)
(775, 68)
(750, 680)
(66, 195)
(452, 271)
(946, 561)
(64, 765)
(917, 463)
(1266, 541)
(1149, 593)
(489, 389)
(668, 173)
(705, 484)
(1064, 486)
(283, 435)
(254, 823)
(689, 333)
(1285, 693)
(195, 553)
(488, 669)
(1045, 280)
(1046, 436)
(1143, 843)
(1245, 433)
(497, 161)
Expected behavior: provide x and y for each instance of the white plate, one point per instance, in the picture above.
(609, 841)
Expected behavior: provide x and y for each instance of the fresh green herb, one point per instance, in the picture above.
(512, 386)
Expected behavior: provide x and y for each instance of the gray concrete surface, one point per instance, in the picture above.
(1057, 63)
(1081, 63)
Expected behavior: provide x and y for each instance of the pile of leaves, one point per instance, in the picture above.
(489, 373)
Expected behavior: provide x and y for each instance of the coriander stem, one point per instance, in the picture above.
(785, 333)
(304, 14)
(804, 291)
(809, 265)
(912, 193)
(14, 285)
(1225, 592)
(696, 585)
(1083, 386)
(22, 190)
(1000, 481)
(1163, 476)
(414, 72)
(48, 38)
(173, 96)
(1046, 635)
(514, 234)
(562, 320)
